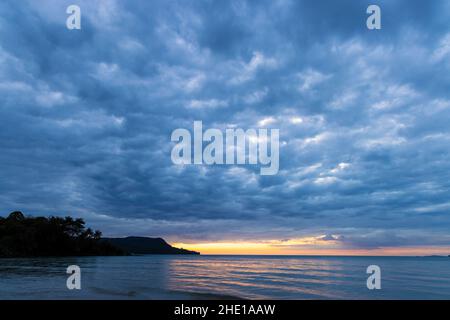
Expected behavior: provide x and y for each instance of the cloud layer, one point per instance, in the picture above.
(363, 117)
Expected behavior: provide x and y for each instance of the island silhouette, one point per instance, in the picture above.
(24, 236)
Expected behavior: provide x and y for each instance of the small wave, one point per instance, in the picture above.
(205, 295)
(109, 292)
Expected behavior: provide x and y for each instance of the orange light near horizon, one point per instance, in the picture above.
(305, 246)
(268, 247)
(226, 247)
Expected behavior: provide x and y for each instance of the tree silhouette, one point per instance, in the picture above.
(22, 236)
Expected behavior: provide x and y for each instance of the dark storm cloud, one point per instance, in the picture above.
(363, 115)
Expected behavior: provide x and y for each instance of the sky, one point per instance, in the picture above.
(87, 116)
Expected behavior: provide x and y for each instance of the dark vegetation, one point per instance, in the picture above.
(22, 236)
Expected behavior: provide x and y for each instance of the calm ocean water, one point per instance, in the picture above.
(210, 277)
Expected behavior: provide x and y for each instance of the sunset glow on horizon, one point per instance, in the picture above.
(305, 246)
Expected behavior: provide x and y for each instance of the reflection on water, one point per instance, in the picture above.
(204, 277)
(258, 278)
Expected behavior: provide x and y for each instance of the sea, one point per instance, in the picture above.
(225, 277)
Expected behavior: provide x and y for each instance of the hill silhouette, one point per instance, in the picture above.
(144, 245)
(22, 236)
